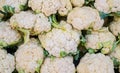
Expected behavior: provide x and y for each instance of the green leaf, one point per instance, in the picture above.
(46, 53)
(115, 62)
(52, 57)
(103, 15)
(26, 34)
(21, 71)
(76, 57)
(117, 13)
(115, 45)
(63, 54)
(9, 9)
(82, 40)
(54, 21)
(89, 3)
(91, 51)
(3, 44)
(39, 65)
(23, 7)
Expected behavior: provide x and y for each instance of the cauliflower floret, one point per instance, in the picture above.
(77, 3)
(58, 40)
(29, 21)
(7, 62)
(95, 63)
(58, 65)
(29, 56)
(7, 34)
(13, 3)
(84, 18)
(65, 8)
(36, 5)
(115, 26)
(107, 6)
(48, 7)
(100, 39)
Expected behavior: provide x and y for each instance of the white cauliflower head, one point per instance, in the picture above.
(95, 63)
(29, 57)
(84, 18)
(48, 7)
(8, 36)
(65, 8)
(100, 39)
(7, 62)
(115, 26)
(16, 4)
(58, 40)
(27, 20)
(58, 65)
(77, 3)
(107, 6)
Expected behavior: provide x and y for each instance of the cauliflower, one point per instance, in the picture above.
(7, 62)
(60, 39)
(15, 4)
(85, 18)
(95, 63)
(58, 65)
(107, 6)
(7, 34)
(101, 39)
(48, 7)
(27, 22)
(65, 8)
(29, 57)
(116, 53)
(77, 3)
(115, 25)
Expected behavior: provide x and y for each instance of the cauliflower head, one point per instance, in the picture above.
(107, 6)
(95, 63)
(30, 23)
(7, 62)
(29, 57)
(77, 3)
(65, 8)
(115, 25)
(48, 7)
(101, 39)
(7, 34)
(28, 20)
(60, 39)
(85, 18)
(58, 65)
(15, 4)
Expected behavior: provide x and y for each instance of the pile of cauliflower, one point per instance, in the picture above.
(59, 36)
